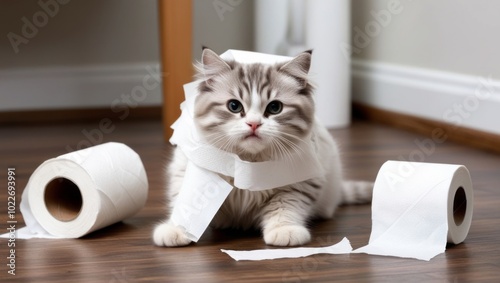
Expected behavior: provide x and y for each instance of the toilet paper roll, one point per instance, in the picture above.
(77, 193)
(313, 24)
(418, 207)
(270, 24)
(327, 30)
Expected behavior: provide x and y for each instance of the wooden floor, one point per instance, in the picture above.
(124, 252)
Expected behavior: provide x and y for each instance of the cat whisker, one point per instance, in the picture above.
(286, 148)
(276, 149)
(287, 141)
(293, 137)
(230, 143)
(222, 141)
(283, 150)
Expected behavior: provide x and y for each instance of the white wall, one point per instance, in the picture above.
(86, 32)
(433, 59)
(459, 36)
(93, 53)
(79, 54)
(222, 25)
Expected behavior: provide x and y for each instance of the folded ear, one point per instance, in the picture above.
(211, 64)
(299, 66)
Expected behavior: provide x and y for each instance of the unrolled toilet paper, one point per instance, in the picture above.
(77, 193)
(416, 209)
(342, 247)
(204, 189)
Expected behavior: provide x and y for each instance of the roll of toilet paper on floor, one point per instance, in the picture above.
(77, 193)
(418, 207)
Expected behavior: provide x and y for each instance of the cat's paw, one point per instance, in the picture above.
(169, 235)
(289, 235)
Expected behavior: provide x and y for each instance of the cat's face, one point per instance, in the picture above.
(249, 109)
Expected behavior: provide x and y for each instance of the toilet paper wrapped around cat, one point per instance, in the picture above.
(250, 123)
(204, 190)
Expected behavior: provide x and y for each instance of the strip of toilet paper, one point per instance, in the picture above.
(342, 247)
(205, 185)
(80, 192)
(300, 165)
(416, 209)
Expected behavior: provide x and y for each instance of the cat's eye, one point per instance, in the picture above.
(274, 107)
(234, 106)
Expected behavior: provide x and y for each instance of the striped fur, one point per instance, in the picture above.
(256, 134)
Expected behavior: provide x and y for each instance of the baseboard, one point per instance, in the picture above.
(78, 115)
(459, 101)
(429, 128)
(101, 86)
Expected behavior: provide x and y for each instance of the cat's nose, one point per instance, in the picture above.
(253, 125)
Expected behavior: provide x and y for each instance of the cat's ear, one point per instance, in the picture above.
(211, 64)
(299, 66)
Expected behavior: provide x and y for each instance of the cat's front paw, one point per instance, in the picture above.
(289, 235)
(169, 235)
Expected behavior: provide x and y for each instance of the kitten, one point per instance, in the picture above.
(261, 112)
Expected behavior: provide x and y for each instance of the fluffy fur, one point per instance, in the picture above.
(260, 113)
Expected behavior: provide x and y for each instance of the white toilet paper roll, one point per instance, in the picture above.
(270, 24)
(77, 193)
(327, 30)
(418, 207)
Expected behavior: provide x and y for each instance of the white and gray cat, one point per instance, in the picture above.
(261, 112)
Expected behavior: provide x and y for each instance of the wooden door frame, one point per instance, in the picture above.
(175, 22)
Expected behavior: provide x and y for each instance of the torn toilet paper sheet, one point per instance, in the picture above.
(416, 209)
(194, 208)
(209, 167)
(342, 247)
(31, 233)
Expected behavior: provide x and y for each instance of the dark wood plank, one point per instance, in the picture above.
(124, 252)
